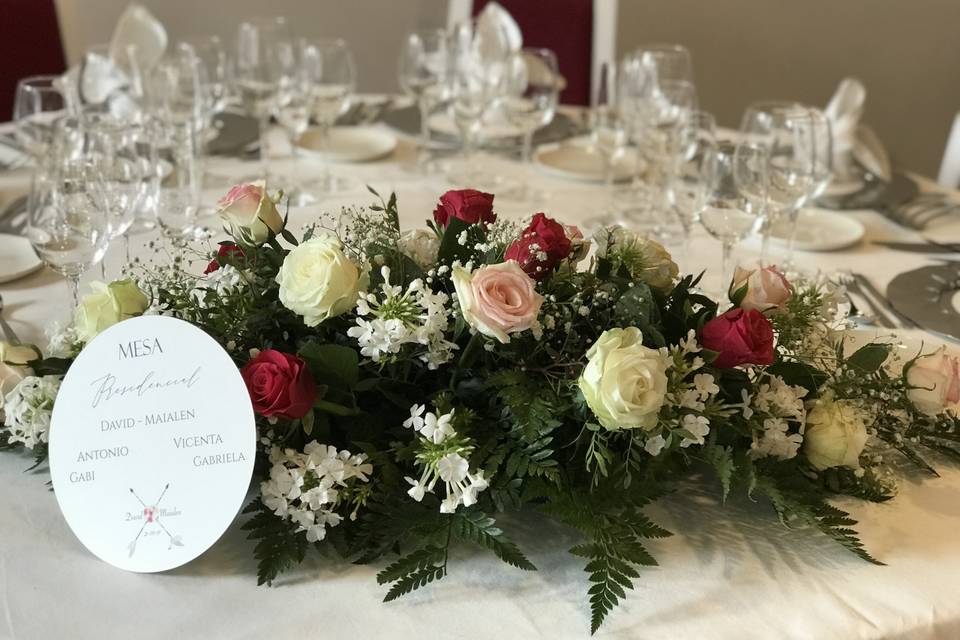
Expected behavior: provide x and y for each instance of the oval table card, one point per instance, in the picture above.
(152, 443)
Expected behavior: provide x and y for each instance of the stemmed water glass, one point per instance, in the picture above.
(65, 223)
(477, 80)
(423, 73)
(39, 102)
(695, 174)
(331, 77)
(731, 212)
(262, 44)
(293, 113)
(530, 99)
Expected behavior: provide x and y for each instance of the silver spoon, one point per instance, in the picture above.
(7, 331)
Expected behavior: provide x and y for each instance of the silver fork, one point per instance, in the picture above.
(8, 333)
(876, 316)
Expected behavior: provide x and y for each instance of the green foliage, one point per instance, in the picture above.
(799, 374)
(413, 571)
(637, 307)
(722, 460)
(279, 546)
(869, 358)
(473, 525)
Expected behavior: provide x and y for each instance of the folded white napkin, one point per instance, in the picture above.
(138, 28)
(496, 28)
(852, 139)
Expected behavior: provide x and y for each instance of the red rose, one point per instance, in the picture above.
(469, 205)
(541, 246)
(226, 250)
(740, 337)
(279, 384)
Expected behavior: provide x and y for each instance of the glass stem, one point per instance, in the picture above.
(103, 270)
(264, 145)
(424, 107)
(791, 240)
(725, 274)
(75, 289)
(126, 247)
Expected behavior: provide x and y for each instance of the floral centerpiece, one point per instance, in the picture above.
(530, 368)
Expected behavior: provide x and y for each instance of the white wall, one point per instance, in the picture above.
(374, 28)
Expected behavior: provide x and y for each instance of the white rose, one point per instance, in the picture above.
(420, 245)
(250, 212)
(935, 379)
(624, 382)
(13, 369)
(646, 259)
(835, 434)
(106, 306)
(318, 281)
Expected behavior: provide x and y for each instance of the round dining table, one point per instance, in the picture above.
(731, 570)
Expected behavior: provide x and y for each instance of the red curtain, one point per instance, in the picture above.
(29, 45)
(564, 26)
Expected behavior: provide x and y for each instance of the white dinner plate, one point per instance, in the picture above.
(578, 159)
(347, 144)
(945, 229)
(495, 126)
(17, 258)
(820, 230)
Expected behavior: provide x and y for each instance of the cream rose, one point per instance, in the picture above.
(250, 213)
(498, 299)
(318, 281)
(935, 379)
(106, 306)
(767, 288)
(13, 369)
(624, 382)
(420, 245)
(835, 434)
(646, 259)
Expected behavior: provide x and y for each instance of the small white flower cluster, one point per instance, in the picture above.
(28, 407)
(62, 341)
(779, 403)
(399, 317)
(222, 282)
(306, 487)
(443, 457)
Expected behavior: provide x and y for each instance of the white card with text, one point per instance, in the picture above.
(152, 444)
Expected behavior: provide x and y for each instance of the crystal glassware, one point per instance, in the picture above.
(38, 103)
(178, 198)
(423, 73)
(731, 213)
(695, 174)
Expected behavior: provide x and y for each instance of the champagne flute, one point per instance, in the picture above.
(731, 212)
(423, 71)
(331, 77)
(65, 225)
(179, 186)
(259, 68)
(695, 174)
(532, 92)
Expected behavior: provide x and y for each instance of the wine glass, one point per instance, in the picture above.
(478, 70)
(423, 72)
(532, 92)
(608, 137)
(259, 68)
(776, 125)
(731, 212)
(38, 104)
(292, 112)
(667, 61)
(694, 177)
(331, 77)
(178, 198)
(65, 224)
(209, 53)
(177, 89)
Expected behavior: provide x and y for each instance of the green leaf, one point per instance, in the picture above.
(279, 546)
(332, 364)
(477, 527)
(869, 358)
(414, 581)
(722, 460)
(450, 247)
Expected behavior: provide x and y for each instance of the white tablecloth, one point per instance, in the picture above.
(730, 572)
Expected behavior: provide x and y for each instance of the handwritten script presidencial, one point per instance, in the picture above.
(108, 386)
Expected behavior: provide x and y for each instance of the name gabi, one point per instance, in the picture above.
(188, 442)
(169, 416)
(108, 387)
(218, 458)
(102, 454)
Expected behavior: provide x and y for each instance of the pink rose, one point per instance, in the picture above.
(740, 337)
(469, 205)
(935, 379)
(767, 288)
(498, 299)
(250, 212)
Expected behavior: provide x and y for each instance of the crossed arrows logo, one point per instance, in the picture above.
(151, 516)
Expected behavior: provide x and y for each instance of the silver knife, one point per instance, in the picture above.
(919, 247)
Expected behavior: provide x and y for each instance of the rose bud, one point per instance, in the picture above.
(280, 385)
(469, 205)
(540, 247)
